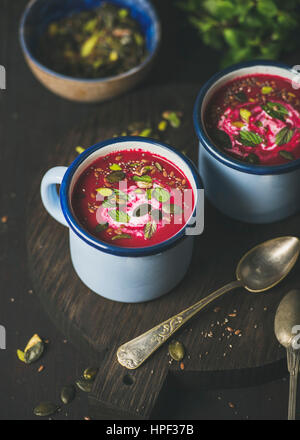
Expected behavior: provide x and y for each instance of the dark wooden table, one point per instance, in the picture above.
(32, 122)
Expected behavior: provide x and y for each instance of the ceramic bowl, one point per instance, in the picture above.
(119, 273)
(243, 191)
(37, 16)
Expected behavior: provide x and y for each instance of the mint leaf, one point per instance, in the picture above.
(150, 229)
(101, 227)
(284, 136)
(249, 138)
(119, 216)
(222, 139)
(161, 195)
(275, 110)
(287, 155)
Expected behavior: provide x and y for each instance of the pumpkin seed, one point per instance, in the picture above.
(67, 394)
(32, 341)
(162, 125)
(118, 237)
(176, 350)
(245, 114)
(21, 355)
(90, 373)
(115, 167)
(158, 166)
(150, 229)
(144, 178)
(286, 155)
(146, 132)
(115, 176)
(34, 353)
(266, 90)
(84, 385)
(144, 185)
(173, 118)
(105, 192)
(45, 409)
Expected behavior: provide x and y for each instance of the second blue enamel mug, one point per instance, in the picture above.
(243, 191)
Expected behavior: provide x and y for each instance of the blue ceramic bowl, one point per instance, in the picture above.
(246, 192)
(37, 16)
(119, 273)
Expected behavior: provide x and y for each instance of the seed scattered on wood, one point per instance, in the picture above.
(217, 309)
(231, 405)
(84, 385)
(237, 332)
(67, 394)
(41, 368)
(45, 409)
(4, 219)
(90, 373)
(176, 350)
(229, 329)
(181, 366)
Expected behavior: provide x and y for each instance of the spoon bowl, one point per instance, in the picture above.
(260, 269)
(286, 319)
(267, 264)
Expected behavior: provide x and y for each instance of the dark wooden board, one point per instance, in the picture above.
(98, 325)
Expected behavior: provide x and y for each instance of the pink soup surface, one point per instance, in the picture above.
(256, 119)
(132, 199)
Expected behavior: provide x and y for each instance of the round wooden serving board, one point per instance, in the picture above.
(213, 352)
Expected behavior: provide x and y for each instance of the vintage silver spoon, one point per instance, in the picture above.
(286, 326)
(260, 269)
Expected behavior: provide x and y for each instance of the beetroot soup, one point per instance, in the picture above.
(132, 199)
(256, 119)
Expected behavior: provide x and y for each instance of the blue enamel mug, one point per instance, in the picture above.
(121, 274)
(243, 191)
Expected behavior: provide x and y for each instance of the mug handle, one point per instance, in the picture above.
(49, 195)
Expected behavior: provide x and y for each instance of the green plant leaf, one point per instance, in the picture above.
(287, 155)
(249, 138)
(119, 216)
(101, 227)
(284, 136)
(267, 8)
(275, 110)
(161, 195)
(150, 229)
(222, 139)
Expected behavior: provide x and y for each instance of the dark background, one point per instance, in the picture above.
(32, 121)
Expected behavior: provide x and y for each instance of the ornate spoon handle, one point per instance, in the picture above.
(293, 367)
(132, 354)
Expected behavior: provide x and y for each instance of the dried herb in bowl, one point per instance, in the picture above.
(99, 43)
